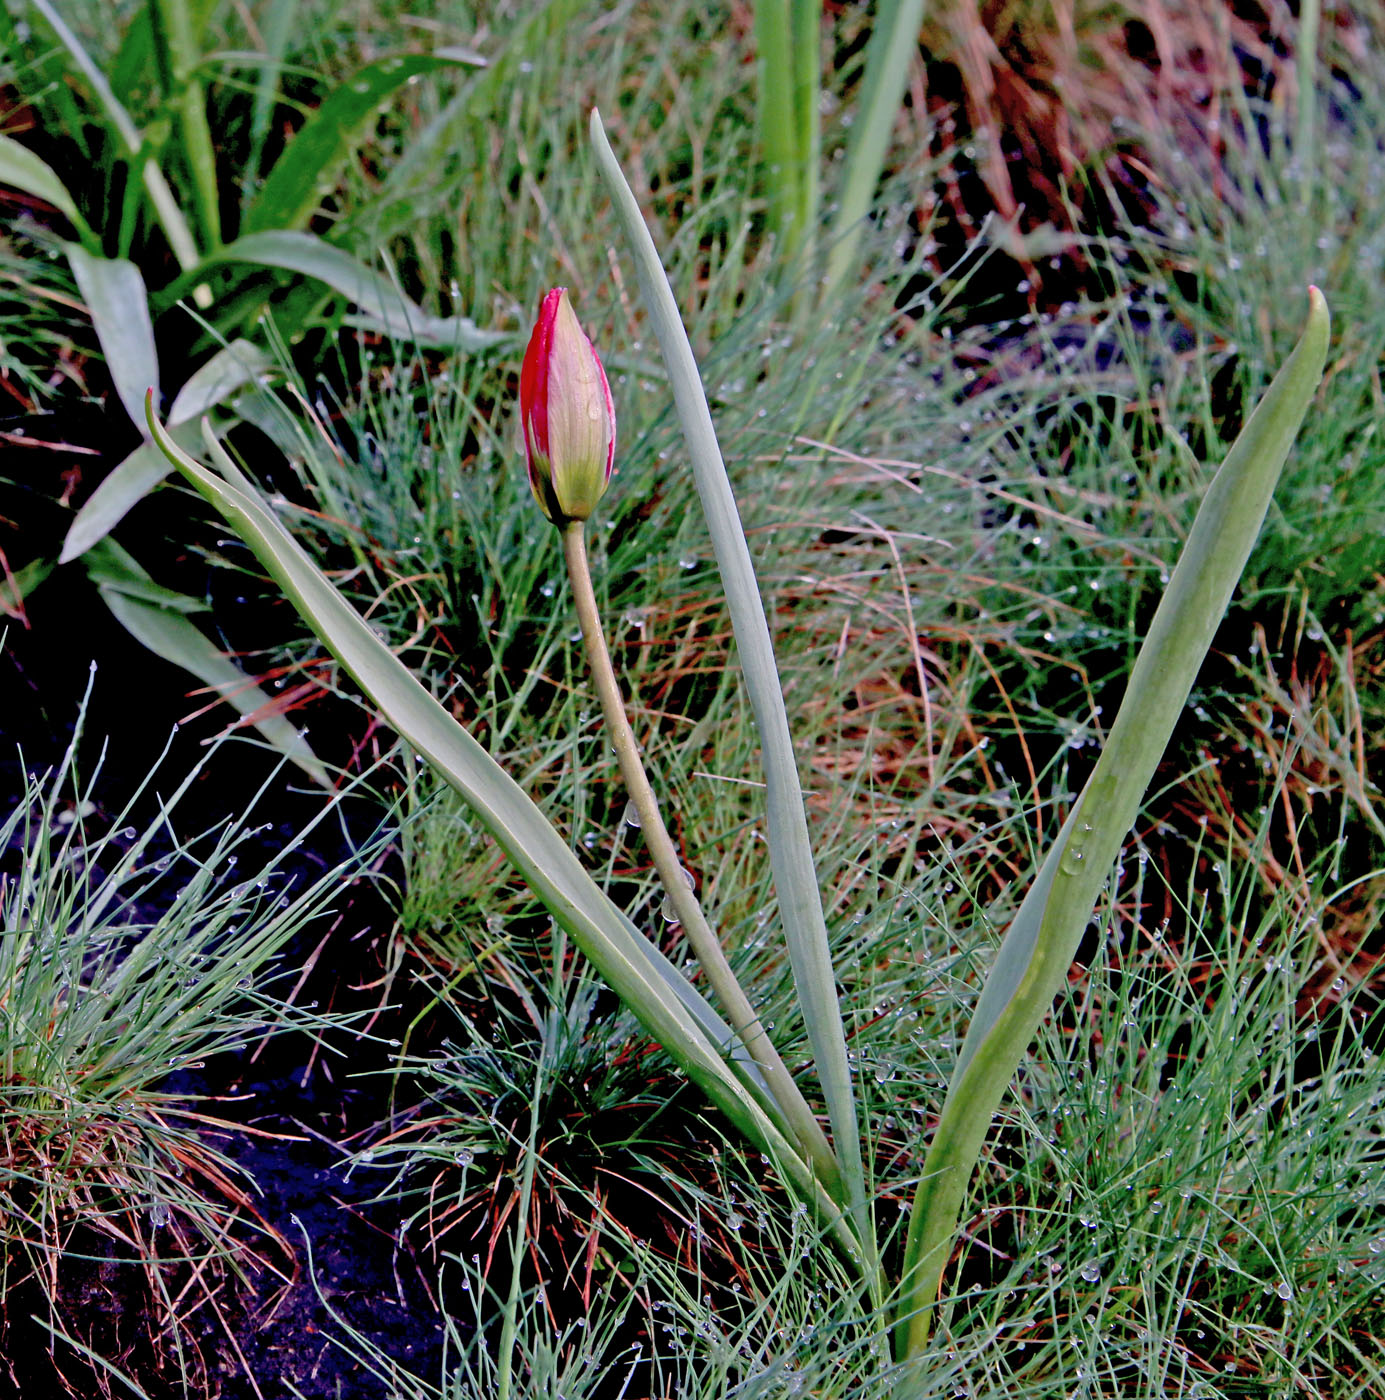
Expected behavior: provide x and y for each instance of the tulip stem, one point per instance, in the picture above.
(740, 1013)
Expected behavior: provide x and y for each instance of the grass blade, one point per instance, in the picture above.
(97, 1360)
(1041, 942)
(893, 43)
(382, 301)
(666, 1004)
(791, 856)
(317, 154)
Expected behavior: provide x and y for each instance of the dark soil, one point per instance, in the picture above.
(347, 1270)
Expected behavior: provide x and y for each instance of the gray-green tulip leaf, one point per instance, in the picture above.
(1038, 949)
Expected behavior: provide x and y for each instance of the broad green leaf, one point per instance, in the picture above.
(807, 109)
(130, 482)
(779, 133)
(666, 1004)
(130, 70)
(21, 169)
(411, 176)
(158, 619)
(791, 855)
(228, 371)
(1038, 949)
(118, 119)
(177, 33)
(115, 294)
(315, 158)
(1306, 97)
(386, 307)
(112, 568)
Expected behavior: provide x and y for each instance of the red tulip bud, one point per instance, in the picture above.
(569, 419)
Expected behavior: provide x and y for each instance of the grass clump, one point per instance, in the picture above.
(133, 951)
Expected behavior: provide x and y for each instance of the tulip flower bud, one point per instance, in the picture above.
(568, 417)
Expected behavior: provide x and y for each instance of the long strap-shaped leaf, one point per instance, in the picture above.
(893, 46)
(791, 855)
(21, 169)
(1039, 947)
(384, 305)
(667, 1005)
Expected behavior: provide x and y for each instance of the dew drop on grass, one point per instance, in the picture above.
(632, 815)
(666, 910)
(1071, 862)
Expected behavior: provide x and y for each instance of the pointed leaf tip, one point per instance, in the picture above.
(1317, 303)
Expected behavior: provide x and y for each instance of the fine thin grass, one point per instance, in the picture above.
(131, 953)
(1180, 1201)
(1271, 219)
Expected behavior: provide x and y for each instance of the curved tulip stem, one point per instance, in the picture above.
(670, 870)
